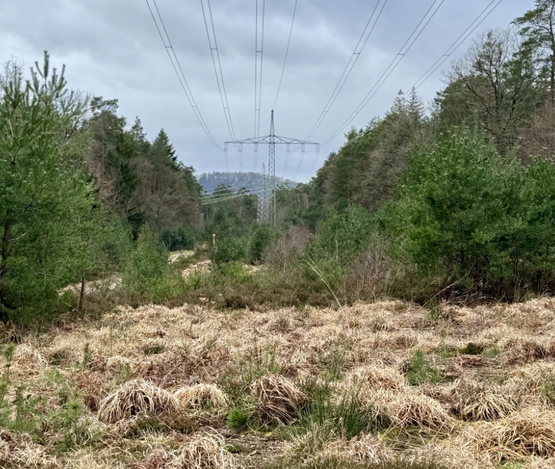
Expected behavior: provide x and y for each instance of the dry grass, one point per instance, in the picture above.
(138, 398)
(529, 432)
(24, 454)
(375, 377)
(205, 451)
(478, 403)
(202, 451)
(278, 399)
(408, 408)
(202, 399)
(495, 405)
(367, 449)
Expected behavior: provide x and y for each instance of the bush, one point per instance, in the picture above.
(342, 235)
(175, 240)
(229, 250)
(261, 240)
(147, 270)
(475, 220)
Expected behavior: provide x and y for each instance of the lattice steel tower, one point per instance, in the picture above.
(267, 204)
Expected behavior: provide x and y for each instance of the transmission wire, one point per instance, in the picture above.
(348, 68)
(390, 68)
(460, 40)
(218, 71)
(286, 53)
(166, 41)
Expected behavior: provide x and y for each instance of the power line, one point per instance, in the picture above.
(405, 48)
(366, 33)
(286, 53)
(166, 41)
(258, 66)
(215, 54)
(213, 199)
(455, 46)
(417, 32)
(441, 60)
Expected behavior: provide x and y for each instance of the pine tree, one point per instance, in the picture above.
(42, 201)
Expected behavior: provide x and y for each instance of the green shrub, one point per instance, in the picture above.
(178, 239)
(147, 271)
(419, 371)
(229, 250)
(475, 221)
(260, 241)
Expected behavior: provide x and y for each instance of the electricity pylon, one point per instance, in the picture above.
(267, 196)
(262, 213)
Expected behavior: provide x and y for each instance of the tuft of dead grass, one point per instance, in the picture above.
(368, 449)
(205, 451)
(479, 403)
(528, 432)
(202, 398)
(278, 399)
(26, 361)
(408, 408)
(138, 398)
(24, 454)
(375, 377)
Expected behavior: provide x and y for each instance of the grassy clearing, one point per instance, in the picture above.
(379, 385)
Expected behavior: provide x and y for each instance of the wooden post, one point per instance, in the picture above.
(81, 294)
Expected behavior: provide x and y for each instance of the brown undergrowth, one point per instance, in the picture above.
(388, 384)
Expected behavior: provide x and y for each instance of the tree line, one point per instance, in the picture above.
(77, 186)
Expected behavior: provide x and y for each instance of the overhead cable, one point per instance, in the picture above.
(403, 51)
(368, 29)
(166, 41)
(286, 53)
(441, 60)
(216, 62)
(258, 63)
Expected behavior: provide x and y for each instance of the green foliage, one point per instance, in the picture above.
(238, 417)
(181, 238)
(229, 250)
(419, 371)
(147, 271)
(44, 196)
(346, 416)
(260, 241)
(473, 219)
(342, 235)
(536, 28)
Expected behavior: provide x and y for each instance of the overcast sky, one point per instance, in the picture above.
(112, 49)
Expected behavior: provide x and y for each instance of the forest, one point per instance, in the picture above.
(454, 201)
(396, 313)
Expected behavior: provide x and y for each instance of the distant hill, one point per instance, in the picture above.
(209, 181)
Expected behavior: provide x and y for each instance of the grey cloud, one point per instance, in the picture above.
(111, 48)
